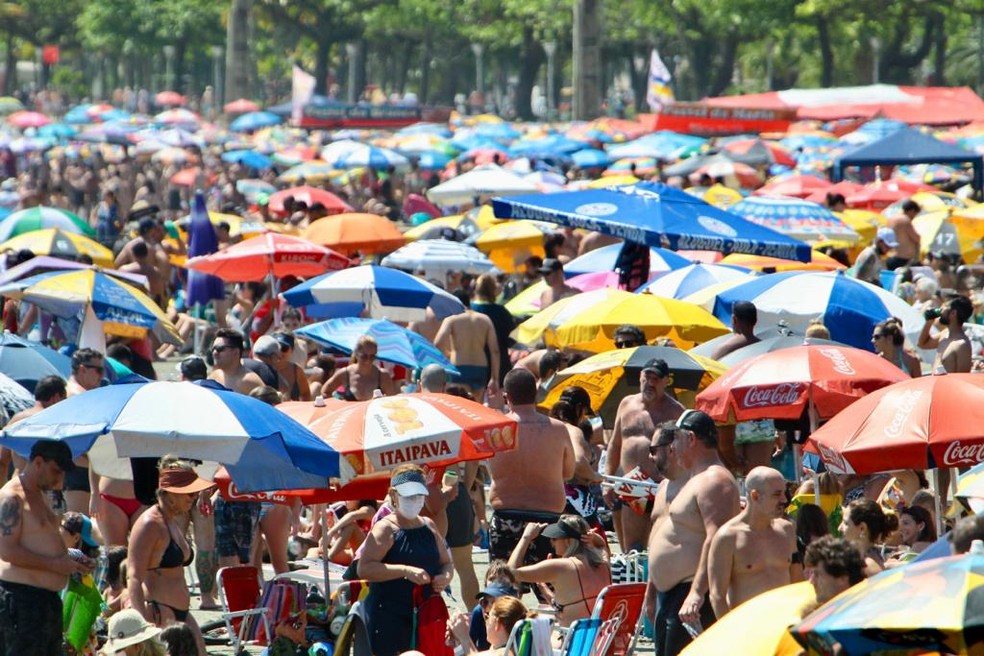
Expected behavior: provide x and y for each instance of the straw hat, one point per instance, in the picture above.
(128, 628)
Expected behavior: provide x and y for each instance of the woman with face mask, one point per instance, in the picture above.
(403, 550)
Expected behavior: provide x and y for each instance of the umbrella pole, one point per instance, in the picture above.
(937, 480)
(197, 350)
(324, 548)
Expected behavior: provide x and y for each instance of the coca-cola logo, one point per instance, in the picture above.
(833, 459)
(765, 397)
(841, 364)
(904, 405)
(962, 454)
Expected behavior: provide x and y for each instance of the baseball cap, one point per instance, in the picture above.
(79, 524)
(550, 265)
(409, 484)
(54, 450)
(658, 366)
(559, 530)
(497, 589)
(266, 345)
(887, 235)
(697, 421)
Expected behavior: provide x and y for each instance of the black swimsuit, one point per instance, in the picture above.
(173, 556)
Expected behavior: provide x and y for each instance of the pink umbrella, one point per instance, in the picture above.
(25, 119)
(587, 282)
(170, 99)
(241, 106)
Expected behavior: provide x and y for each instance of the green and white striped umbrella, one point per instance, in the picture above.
(43, 218)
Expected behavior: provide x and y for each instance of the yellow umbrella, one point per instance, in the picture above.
(508, 244)
(929, 201)
(238, 226)
(611, 181)
(818, 262)
(969, 226)
(588, 321)
(759, 626)
(57, 243)
(527, 302)
(721, 196)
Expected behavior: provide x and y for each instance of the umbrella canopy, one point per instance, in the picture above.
(766, 344)
(252, 121)
(818, 262)
(28, 362)
(57, 243)
(270, 253)
(396, 344)
(509, 243)
(611, 376)
(457, 225)
(781, 384)
(309, 195)
(588, 321)
(487, 180)
(661, 260)
(25, 119)
(9, 105)
(248, 158)
(352, 233)
(438, 257)
(124, 310)
(761, 622)
(795, 217)
(757, 152)
(14, 397)
(797, 186)
(850, 308)
(935, 607)
(42, 218)
(433, 429)
(690, 279)
(202, 240)
(370, 157)
(240, 106)
(384, 293)
(173, 98)
(653, 213)
(932, 421)
(313, 171)
(262, 448)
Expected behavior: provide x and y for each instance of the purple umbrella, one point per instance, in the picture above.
(202, 240)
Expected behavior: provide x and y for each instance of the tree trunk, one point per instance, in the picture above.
(425, 72)
(639, 80)
(722, 80)
(360, 68)
(403, 68)
(531, 60)
(939, 60)
(321, 62)
(10, 67)
(826, 52)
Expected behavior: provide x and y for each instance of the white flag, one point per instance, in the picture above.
(302, 88)
(658, 91)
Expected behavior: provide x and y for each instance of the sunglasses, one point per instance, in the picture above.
(878, 336)
(626, 344)
(218, 348)
(97, 367)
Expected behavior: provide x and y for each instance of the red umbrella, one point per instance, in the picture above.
(187, 177)
(877, 196)
(269, 253)
(781, 384)
(844, 187)
(309, 195)
(797, 186)
(241, 106)
(26, 119)
(170, 99)
(919, 423)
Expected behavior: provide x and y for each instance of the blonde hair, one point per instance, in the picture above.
(577, 548)
(817, 330)
(364, 341)
(485, 288)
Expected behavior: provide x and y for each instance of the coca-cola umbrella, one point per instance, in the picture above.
(783, 384)
(918, 423)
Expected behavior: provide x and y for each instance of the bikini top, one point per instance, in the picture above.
(584, 598)
(174, 557)
(348, 394)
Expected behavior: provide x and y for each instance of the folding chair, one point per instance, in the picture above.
(622, 602)
(239, 594)
(353, 639)
(589, 637)
(530, 637)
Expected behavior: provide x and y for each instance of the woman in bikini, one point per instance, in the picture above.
(360, 379)
(158, 551)
(578, 572)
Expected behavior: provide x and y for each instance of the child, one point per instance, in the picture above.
(500, 581)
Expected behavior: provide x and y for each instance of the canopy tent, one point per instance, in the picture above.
(910, 146)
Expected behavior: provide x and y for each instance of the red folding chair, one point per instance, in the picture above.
(239, 594)
(622, 602)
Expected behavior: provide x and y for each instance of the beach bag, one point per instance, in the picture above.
(430, 622)
(80, 609)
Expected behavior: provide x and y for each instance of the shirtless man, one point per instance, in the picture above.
(753, 552)
(470, 342)
(553, 275)
(680, 546)
(744, 316)
(635, 523)
(528, 482)
(49, 391)
(34, 564)
(639, 414)
(953, 350)
(428, 327)
(906, 234)
(144, 264)
(362, 377)
(227, 352)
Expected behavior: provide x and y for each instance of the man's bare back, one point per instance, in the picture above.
(242, 380)
(531, 477)
(465, 337)
(732, 344)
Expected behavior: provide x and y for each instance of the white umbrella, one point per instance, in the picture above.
(338, 149)
(436, 257)
(488, 180)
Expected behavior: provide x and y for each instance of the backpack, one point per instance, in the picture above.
(430, 622)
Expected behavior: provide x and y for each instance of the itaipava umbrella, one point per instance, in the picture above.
(269, 254)
(781, 384)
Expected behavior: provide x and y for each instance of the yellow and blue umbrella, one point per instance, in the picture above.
(124, 310)
(57, 243)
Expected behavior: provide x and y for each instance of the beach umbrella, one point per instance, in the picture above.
(14, 397)
(936, 607)
(796, 186)
(818, 262)
(877, 196)
(338, 149)
(9, 105)
(783, 383)
(436, 430)
(310, 195)
(433, 161)
(591, 158)
(111, 133)
(240, 106)
(370, 157)
(313, 171)
(58, 243)
(262, 448)
(762, 623)
(610, 376)
(487, 180)
(173, 155)
(396, 344)
(795, 217)
(384, 293)
(45, 263)
(179, 116)
(458, 226)
(169, 98)
(248, 158)
(202, 288)
(661, 260)
(269, 254)
(437, 257)
(850, 308)
(757, 152)
(768, 342)
(123, 309)
(509, 243)
(485, 155)
(57, 131)
(41, 218)
(690, 279)
(192, 176)
(26, 119)
(352, 233)
(655, 214)
(588, 321)
(917, 423)
(251, 188)
(632, 166)
(717, 195)
(28, 362)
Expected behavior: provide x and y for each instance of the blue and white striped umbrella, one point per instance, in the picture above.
(436, 257)
(591, 158)
(691, 279)
(371, 157)
(261, 447)
(254, 121)
(395, 344)
(433, 160)
(604, 259)
(800, 219)
(384, 293)
(849, 307)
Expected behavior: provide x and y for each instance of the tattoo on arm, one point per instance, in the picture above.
(10, 515)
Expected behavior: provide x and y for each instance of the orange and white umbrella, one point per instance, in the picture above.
(425, 429)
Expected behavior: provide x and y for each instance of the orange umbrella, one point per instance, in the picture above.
(818, 262)
(187, 177)
(269, 253)
(356, 233)
(241, 106)
(307, 412)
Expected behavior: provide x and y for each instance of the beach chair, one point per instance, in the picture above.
(622, 602)
(353, 639)
(589, 637)
(239, 594)
(530, 637)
